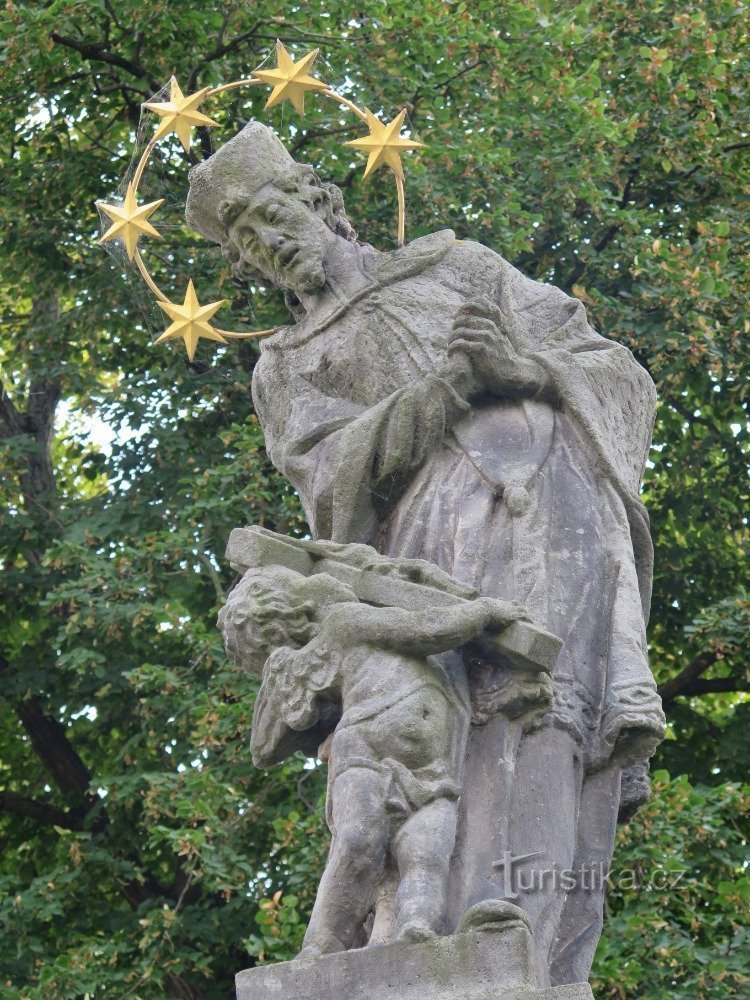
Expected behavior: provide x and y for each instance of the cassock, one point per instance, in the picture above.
(532, 499)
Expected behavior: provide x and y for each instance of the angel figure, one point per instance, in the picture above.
(384, 690)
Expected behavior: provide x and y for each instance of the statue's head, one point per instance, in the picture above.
(274, 607)
(268, 213)
(265, 611)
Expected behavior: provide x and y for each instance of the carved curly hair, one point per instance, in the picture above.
(261, 615)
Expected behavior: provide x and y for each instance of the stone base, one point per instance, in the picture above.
(477, 964)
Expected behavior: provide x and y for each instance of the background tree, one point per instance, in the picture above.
(599, 145)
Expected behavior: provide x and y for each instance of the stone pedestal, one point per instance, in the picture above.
(476, 964)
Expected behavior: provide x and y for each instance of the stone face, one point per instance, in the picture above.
(432, 403)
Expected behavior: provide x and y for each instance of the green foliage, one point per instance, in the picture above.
(600, 145)
(677, 897)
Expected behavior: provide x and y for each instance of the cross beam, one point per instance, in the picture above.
(527, 646)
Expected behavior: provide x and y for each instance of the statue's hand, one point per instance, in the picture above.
(500, 614)
(480, 338)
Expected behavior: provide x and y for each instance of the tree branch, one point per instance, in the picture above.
(50, 741)
(690, 682)
(674, 687)
(10, 424)
(113, 15)
(609, 234)
(222, 48)
(445, 84)
(321, 132)
(730, 443)
(42, 812)
(205, 561)
(38, 420)
(714, 685)
(97, 53)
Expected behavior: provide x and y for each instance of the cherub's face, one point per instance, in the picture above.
(280, 235)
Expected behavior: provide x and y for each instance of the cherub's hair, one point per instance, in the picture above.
(261, 615)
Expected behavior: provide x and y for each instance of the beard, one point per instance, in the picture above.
(297, 266)
(304, 273)
(308, 276)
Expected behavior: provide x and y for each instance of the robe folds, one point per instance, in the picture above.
(524, 499)
(353, 409)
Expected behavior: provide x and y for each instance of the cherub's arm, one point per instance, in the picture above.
(421, 632)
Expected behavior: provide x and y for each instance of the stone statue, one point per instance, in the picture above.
(396, 753)
(434, 403)
(347, 644)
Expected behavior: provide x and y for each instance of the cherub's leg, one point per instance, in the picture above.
(355, 864)
(423, 849)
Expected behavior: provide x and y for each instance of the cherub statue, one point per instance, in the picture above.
(386, 692)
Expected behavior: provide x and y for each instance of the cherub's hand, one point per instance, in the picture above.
(500, 614)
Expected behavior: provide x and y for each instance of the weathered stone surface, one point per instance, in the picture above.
(524, 644)
(386, 689)
(386, 971)
(433, 402)
(472, 966)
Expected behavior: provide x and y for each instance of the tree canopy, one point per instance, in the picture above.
(600, 145)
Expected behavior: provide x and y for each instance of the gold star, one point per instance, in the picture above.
(384, 143)
(290, 79)
(129, 221)
(180, 113)
(190, 321)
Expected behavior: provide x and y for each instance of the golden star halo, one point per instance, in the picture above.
(180, 113)
(291, 81)
(384, 143)
(129, 221)
(190, 321)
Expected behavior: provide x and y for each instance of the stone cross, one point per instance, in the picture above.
(527, 646)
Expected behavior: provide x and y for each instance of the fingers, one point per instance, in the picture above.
(476, 343)
(472, 321)
(483, 336)
(481, 319)
(505, 612)
(484, 308)
(469, 340)
(469, 349)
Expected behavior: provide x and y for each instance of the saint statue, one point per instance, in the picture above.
(434, 403)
